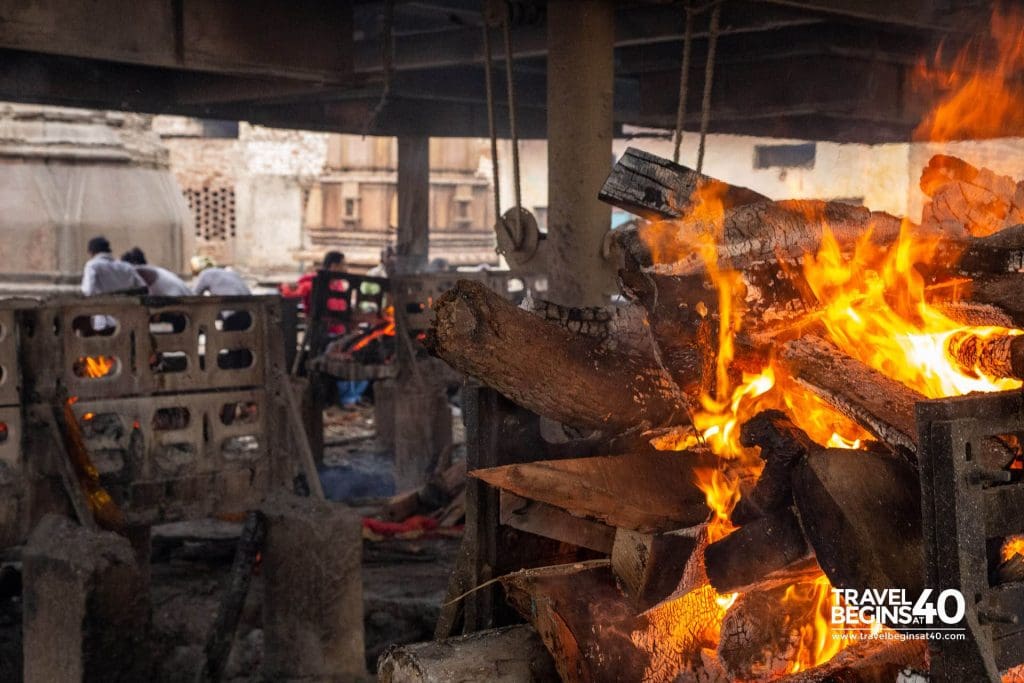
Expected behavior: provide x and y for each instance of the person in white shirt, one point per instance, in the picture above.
(159, 281)
(105, 275)
(217, 281)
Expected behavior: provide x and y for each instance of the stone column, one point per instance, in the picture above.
(580, 88)
(313, 602)
(86, 611)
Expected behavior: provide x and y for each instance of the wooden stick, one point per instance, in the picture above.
(305, 453)
(222, 633)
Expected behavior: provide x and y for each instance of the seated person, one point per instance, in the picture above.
(159, 281)
(105, 275)
(217, 281)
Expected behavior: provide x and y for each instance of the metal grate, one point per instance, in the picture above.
(213, 211)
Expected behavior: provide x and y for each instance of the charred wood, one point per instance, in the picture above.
(861, 512)
(1005, 292)
(998, 355)
(868, 661)
(655, 188)
(776, 541)
(760, 634)
(754, 233)
(222, 635)
(881, 405)
(547, 369)
(782, 445)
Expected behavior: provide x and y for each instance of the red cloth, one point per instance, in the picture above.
(414, 523)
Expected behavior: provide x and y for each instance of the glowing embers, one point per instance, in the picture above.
(95, 367)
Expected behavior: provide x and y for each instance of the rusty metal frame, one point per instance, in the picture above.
(966, 509)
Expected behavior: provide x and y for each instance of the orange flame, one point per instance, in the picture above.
(1012, 546)
(388, 330)
(983, 90)
(94, 366)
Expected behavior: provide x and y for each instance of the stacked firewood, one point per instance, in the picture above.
(855, 515)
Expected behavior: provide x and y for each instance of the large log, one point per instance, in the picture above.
(655, 188)
(861, 512)
(514, 654)
(649, 492)
(583, 619)
(755, 233)
(999, 354)
(881, 405)
(545, 368)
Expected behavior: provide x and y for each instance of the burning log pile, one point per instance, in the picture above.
(779, 350)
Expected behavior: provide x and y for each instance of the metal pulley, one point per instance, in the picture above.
(518, 236)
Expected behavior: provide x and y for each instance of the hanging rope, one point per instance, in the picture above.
(684, 77)
(387, 56)
(489, 80)
(709, 73)
(513, 129)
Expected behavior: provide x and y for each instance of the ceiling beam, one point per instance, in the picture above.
(304, 39)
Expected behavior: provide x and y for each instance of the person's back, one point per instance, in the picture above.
(221, 282)
(162, 282)
(103, 274)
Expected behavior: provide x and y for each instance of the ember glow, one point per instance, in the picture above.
(1013, 546)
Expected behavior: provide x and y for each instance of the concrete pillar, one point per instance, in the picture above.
(86, 610)
(580, 82)
(413, 243)
(313, 592)
(423, 429)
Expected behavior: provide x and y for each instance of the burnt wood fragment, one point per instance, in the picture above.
(755, 550)
(655, 188)
(782, 445)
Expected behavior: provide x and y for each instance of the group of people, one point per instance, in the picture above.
(104, 274)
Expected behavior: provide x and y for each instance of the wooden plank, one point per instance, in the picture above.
(551, 522)
(650, 492)
(655, 188)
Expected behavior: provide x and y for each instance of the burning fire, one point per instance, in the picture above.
(984, 91)
(94, 366)
(386, 330)
(870, 302)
